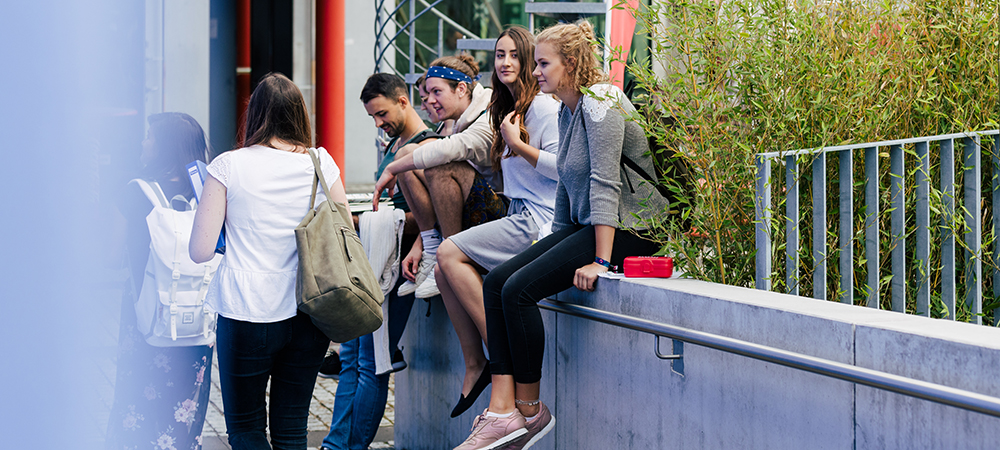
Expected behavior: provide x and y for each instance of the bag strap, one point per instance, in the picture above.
(318, 177)
(152, 191)
(624, 161)
(628, 162)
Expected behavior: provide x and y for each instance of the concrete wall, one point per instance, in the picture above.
(177, 58)
(607, 389)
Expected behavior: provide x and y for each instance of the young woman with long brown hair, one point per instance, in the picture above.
(523, 150)
(261, 192)
(591, 203)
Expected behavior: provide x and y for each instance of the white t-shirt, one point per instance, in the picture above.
(267, 195)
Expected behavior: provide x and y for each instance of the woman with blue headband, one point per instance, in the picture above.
(458, 170)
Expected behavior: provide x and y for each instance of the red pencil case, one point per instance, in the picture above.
(648, 266)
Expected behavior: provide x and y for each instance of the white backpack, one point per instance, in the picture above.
(170, 309)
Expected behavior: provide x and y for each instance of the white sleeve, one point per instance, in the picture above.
(545, 123)
(219, 168)
(331, 172)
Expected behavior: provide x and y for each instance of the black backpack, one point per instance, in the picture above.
(666, 162)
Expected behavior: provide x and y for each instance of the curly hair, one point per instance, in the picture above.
(518, 97)
(577, 46)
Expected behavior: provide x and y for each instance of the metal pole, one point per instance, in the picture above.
(923, 231)
(898, 223)
(937, 393)
(947, 226)
(871, 224)
(792, 225)
(846, 238)
(762, 203)
(819, 226)
(242, 67)
(973, 225)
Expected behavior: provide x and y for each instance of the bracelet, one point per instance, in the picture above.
(602, 262)
(522, 402)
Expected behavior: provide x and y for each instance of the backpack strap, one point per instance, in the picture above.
(152, 191)
(175, 276)
(424, 135)
(628, 162)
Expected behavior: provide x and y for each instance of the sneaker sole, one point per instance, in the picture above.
(410, 288)
(323, 375)
(506, 439)
(425, 291)
(541, 434)
(427, 294)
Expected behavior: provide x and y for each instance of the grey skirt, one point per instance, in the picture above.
(493, 243)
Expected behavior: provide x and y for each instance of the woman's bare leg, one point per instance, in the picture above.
(465, 326)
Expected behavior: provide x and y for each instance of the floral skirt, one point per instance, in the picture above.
(161, 393)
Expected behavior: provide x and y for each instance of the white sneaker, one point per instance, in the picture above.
(424, 270)
(429, 287)
(407, 288)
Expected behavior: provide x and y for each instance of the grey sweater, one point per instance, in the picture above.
(592, 140)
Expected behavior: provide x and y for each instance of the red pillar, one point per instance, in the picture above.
(622, 31)
(329, 84)
(242, 66)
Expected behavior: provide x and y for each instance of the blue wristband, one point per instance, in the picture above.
(603, 262)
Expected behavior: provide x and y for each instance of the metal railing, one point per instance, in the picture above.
(881, 380)
(971, 165)
(387, 23)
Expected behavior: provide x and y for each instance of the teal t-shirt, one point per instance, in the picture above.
(398, 201)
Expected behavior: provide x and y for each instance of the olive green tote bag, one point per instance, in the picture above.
(335, 284)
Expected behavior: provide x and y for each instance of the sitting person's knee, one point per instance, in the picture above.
(450, 170)
(448, 253)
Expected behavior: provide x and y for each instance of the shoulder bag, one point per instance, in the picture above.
(335, 284)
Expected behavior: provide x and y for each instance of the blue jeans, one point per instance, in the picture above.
(361, 395)
(288, 353)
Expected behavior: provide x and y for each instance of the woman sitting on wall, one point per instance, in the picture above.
(591, 203)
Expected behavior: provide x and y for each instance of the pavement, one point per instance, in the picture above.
(214, 432)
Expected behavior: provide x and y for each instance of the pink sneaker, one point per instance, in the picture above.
(494, 432)
(538, 427)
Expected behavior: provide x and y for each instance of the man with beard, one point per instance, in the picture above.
(361, 392)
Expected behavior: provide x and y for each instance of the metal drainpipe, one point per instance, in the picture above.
(242, 66)
(330, 55)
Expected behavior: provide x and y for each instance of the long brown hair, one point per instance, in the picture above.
(575, 44)
(504, 101)
(277, 110)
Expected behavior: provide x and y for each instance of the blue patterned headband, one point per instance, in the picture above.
(448, 74)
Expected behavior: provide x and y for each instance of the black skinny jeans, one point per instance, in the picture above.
(512, 290)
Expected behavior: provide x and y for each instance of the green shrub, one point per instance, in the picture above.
(742, 77)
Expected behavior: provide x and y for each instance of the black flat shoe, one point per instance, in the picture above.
(398, 363)
(464, 403)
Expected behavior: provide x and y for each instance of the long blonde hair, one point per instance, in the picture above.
(576, 45)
